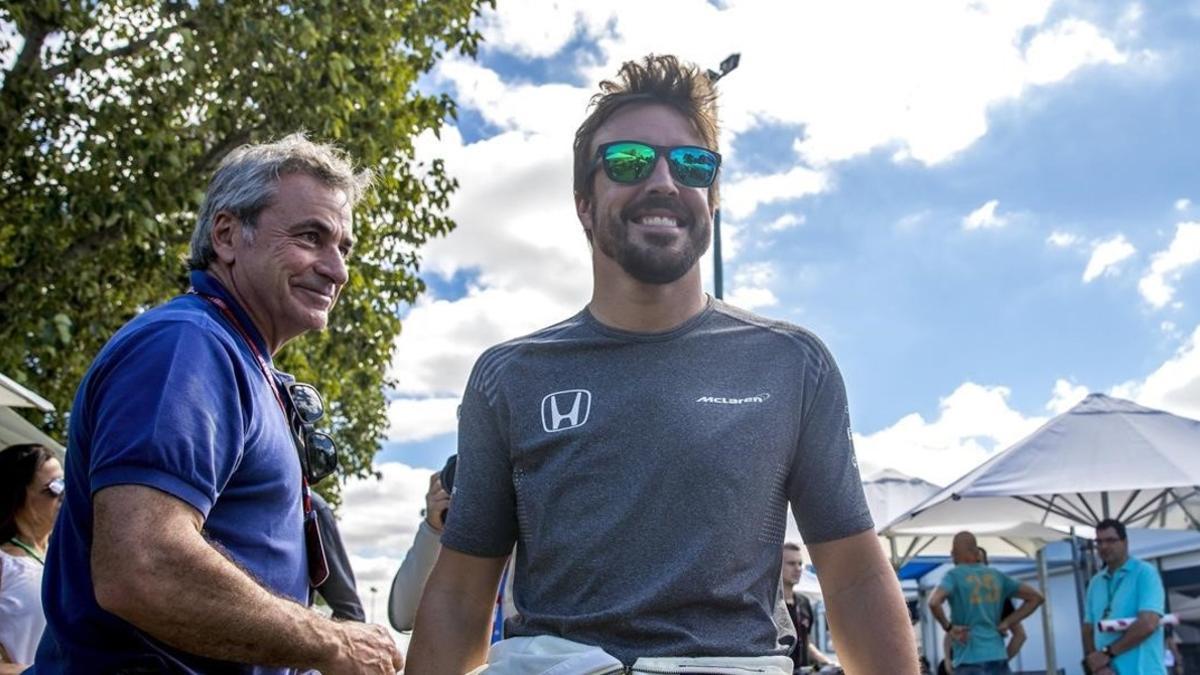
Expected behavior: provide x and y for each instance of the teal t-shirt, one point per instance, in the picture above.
(977, 594)
(1135, 587)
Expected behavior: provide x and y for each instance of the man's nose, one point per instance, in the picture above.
(333, 266)
(660, 179)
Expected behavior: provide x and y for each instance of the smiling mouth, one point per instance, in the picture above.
(325, 298)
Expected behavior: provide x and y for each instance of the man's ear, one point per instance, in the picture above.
(583, 210)
(226, 230)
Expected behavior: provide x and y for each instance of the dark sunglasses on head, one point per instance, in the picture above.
(631, 162)
(318, 452)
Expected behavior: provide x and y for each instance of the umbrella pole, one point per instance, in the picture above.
(1077, 576)
(1047, 620)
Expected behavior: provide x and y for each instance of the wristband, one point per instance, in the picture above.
(1109, 652)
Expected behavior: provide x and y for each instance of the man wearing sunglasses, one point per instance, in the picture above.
(187, 542)
(644, 452)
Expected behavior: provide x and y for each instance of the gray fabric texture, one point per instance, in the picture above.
(647, 478)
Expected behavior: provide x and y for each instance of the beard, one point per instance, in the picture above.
(653, 261)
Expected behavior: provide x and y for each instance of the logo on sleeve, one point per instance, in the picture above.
(564, 410)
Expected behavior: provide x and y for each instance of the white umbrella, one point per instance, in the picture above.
(16, 429)
(1106, 457)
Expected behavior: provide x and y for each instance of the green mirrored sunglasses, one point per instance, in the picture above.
(631, 162)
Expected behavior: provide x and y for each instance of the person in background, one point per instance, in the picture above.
(409, 582)
(31, 487)
(800, 610)
(339, 591)
(976, 594)
(1125, 588)
(1017, 635)
(1172, 657)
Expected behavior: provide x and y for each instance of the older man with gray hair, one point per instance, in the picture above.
(186, 541)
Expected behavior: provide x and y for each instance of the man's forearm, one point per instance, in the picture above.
(451, 633)
(1020, 613)
(193, 598)
(939, 615)
(1135, 634)
(873, 607)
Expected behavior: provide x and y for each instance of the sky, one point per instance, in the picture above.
(986, 210)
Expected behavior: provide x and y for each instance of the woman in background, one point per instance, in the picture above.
(31, 485)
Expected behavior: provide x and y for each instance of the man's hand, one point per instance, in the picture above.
(437, 502)
(364, 649)
(1097, 662)
(960, 633)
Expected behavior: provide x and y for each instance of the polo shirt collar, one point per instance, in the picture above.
(1127, 567)
(206, 284)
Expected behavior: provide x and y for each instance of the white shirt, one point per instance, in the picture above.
(21, 618)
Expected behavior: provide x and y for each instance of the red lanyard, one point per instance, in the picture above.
(266, 371)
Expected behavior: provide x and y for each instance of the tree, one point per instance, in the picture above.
(113, 116)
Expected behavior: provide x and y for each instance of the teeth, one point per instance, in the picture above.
(658, 220)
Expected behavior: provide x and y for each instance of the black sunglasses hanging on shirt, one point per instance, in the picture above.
(318, 452)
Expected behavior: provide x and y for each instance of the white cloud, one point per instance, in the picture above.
(1182, 204)
(786, 222)
(1056, 53)
(1166, 267)
(984, 217)
(752, 286)
(442, 339)
(741, 196)
(419, 419)
(1106, 255)
(1174, 386)
(1065, 396)
(1062, 239)
(973, 422)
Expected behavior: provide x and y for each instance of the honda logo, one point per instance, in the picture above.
(564, 410)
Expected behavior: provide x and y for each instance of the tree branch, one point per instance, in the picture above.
(83, 60)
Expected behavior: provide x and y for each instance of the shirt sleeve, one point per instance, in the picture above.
(1151, 595)
(948, 581)
(168, 414)
(409, 582)
(482, 519)
(824, 484)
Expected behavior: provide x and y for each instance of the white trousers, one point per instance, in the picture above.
(549, 655)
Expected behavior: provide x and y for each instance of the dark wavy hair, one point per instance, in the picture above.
(18, 465)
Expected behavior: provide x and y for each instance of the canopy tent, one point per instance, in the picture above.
(890, 493)
(16, 429)
(1106, 457)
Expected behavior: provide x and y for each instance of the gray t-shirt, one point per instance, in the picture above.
(647, 477)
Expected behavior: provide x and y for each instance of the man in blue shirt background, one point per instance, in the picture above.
(977, 594)
(181, 542)
(1126, 588)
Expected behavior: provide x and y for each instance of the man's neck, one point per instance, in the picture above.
(789, 595)
(1117, 564)
(225, 276)
(620, 301)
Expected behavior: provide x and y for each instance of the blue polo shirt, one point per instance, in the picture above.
(175, 401)
(1134, 587)
(977, 594)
